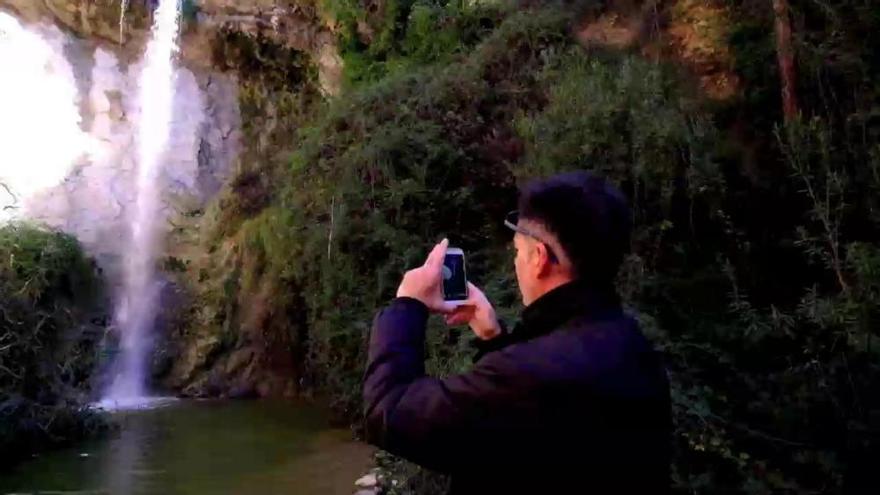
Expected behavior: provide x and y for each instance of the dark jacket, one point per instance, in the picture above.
(574, 400)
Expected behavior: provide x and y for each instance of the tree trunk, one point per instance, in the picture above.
(785, 56)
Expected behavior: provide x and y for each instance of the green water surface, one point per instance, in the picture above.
(203, 447)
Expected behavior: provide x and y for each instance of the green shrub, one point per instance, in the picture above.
(384, 172)
(755, 271)
(406, 34)
(47, 350)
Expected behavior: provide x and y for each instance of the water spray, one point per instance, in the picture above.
(135, 314)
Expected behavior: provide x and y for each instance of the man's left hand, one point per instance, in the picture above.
(478, 313)
(425, 283)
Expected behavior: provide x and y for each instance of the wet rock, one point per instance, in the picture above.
(245, 391)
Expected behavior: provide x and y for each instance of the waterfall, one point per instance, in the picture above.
(135, 313)
(123, 6)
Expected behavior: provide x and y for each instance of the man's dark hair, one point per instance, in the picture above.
(589, 216)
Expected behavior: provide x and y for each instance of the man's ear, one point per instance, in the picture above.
(542, 259)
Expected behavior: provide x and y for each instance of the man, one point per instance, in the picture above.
(573, 400)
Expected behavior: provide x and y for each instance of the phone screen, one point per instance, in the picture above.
(454, 277)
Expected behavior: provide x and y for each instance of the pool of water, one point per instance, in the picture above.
(203, 447)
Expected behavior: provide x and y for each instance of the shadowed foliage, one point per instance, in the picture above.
(755, 263)
(47, 348)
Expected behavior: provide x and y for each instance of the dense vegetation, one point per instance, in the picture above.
(47, 348)
(755, 264)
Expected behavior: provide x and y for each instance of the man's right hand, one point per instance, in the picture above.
(478, 313)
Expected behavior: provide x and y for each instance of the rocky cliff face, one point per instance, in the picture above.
(90, 201)
(294, 25)
(288, 23)
(96, 50)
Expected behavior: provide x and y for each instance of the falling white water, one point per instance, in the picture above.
(136, 310)
(40, 135)
(122, 8)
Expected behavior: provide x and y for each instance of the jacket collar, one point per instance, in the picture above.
(568, 301)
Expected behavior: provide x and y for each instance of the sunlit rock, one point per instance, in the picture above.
(40, 124)
(367, 481)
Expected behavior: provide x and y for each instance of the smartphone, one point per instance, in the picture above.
(455, 287)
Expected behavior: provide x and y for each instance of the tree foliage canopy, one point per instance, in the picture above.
(755, 263)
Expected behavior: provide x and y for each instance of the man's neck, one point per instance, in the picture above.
(549, 284)
(575, 299)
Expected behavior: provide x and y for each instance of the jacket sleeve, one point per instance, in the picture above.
(443, 424)
(484, 347)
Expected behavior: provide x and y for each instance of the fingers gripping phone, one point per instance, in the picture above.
(455, 287)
